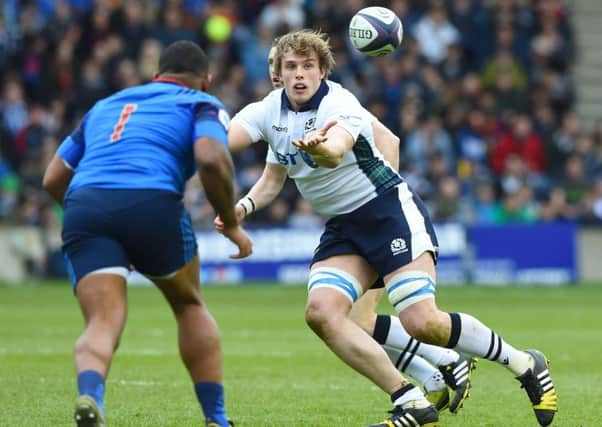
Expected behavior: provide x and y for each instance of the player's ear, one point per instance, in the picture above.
(206, 82)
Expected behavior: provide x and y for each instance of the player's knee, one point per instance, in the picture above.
(343, 289)
(317, 316)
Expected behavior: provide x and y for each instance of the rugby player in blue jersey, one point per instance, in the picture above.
(321, 137)
(120, 177)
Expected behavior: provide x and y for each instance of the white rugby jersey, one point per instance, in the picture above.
(363, 172)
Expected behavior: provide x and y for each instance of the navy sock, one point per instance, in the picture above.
(211, 398)
(93, 384)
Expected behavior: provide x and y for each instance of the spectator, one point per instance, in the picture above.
(435, 33)
(522, 141)
(479, 92)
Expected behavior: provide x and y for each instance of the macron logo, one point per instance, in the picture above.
(398, 246)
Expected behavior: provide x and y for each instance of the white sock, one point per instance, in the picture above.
(416, 367)
(410, 394)
(469, 335)
(435, 382)
(400, 339)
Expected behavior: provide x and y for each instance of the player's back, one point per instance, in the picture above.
(141, 137)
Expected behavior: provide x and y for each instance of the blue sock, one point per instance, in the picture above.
(211, 398)
(93, 384)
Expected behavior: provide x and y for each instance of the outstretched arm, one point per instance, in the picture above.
(238, 137)
(264, 191)
(268, 186)
(327, 145)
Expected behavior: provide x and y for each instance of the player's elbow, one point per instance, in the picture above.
(56, 179)
(48, 182)
(52, 184)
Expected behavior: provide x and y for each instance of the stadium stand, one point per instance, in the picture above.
(481, 94)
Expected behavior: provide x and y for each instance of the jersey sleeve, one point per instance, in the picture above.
(270, 157)
(72, 148)
(211, 121)
(251, 118)
(348, 112)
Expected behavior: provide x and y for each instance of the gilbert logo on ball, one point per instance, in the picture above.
(375, 31)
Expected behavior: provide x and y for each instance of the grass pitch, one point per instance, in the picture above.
(277, 373)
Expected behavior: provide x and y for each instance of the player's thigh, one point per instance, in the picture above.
(182, 287)
(339, 281)
(391, 231)
(103, 298)
(89, 245)
(395, 234)
(411, 289)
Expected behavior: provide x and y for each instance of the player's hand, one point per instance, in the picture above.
(312, 142)
(240, 238)
(239, 212)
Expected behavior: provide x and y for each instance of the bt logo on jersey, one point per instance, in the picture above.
(291, 158)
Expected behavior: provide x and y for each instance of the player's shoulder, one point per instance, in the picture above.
(338, 97)
(336, 90)
(273, 99)
(196, 97)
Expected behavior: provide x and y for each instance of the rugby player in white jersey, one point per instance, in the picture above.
(321, 137)
(406, 353)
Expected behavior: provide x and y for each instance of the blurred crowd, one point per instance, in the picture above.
(481, 94)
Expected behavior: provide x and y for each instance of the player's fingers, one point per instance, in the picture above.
(244, 250)
(326, 127)
(218, 223)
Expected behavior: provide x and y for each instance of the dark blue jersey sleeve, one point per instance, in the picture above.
(72, 148)
(211, 121)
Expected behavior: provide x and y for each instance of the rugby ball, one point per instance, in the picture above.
(375, 31)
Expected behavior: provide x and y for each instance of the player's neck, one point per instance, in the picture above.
(182, 79)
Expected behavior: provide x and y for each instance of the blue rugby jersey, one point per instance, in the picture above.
(143, 137)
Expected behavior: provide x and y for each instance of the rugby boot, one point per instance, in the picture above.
(88, 413)
(210, 423)
(439, 398)
(411, 416)
(457, 377)
(538, 384)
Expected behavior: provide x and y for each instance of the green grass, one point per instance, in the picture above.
(276, 372)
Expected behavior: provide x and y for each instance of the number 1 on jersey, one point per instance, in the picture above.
(123, 119)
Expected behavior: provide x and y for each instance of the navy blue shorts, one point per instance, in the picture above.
(389, 231)
(105, 228)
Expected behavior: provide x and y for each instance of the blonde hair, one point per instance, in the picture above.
(302, 42)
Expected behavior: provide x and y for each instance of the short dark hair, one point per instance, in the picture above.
(184, 56)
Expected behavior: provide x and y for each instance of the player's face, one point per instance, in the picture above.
(301, 76)
(274, 77)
